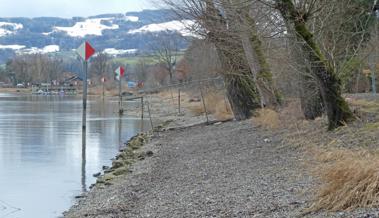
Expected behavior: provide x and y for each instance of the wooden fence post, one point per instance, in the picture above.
(204, 105)
(142, 111)
(151, 120)
(179, 100)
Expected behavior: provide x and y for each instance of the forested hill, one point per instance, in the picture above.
(115, 33)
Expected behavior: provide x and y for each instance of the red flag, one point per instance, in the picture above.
(89, 51)
(86, 51)
(122, 71)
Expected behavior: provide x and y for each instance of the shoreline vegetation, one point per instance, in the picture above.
(276, 164)
(126, 157)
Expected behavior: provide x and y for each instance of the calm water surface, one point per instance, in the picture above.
(42, 166)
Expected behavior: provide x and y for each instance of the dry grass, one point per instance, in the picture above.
(169, 97)
(291, 113)
(196, 108)
(110, 90)
(363, 103)
(349, 179)
(363, 107)
(215, 103)
(346, 161)
(218, 106)
(287, 117)
(167, 94)
(267, 118)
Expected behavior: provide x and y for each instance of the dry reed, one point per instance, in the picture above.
(349, 179)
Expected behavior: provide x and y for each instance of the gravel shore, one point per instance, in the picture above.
(231, 169)
(224, 170)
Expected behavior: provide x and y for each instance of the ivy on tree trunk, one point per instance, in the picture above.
(336, 107)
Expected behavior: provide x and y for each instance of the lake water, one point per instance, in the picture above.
(42, 162)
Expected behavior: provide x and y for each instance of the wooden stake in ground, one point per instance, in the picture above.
(103, 82)
(84, 116)
(142, 111)
(204, 105)
(119, 74)
(85, 51)
(179, 100)
(151, 120)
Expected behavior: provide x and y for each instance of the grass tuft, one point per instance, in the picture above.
(267, 118)
(215, 103)
(349, 179)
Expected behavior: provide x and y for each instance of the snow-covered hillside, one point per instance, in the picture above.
(12, 47)
(181, 27)
(33, 50)
(9, 28)
(119, 34)
(88, 27)
(131, 18)
(93, 26)
(116, 52)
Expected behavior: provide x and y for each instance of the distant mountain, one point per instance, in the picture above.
(117, 34)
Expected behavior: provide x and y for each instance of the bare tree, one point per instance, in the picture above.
(203, 60)
(18, 66)
(35, 68)
(141, 69)
(166, 49)
(341, 29)
(215, 22)
(296, 15)
(240, 20)
(5, 76)
(100, 66)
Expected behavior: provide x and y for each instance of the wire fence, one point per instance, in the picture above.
(199, 99)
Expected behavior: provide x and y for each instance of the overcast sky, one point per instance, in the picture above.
(69, 8)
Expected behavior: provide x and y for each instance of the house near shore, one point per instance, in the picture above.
(70, 79)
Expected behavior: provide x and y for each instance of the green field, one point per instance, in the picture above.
(133, 60)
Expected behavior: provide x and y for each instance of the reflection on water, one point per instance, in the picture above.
(46, 159)
(84, 159)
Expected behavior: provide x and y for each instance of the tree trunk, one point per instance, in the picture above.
(244, 26)
(242, 98)
(264, 82)
(310, 98)
(241, 88)
(309, 93)
(337, 109)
